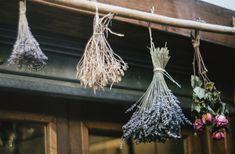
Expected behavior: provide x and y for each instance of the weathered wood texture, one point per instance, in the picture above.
(78, 133)
(184, 9)
(138, 15)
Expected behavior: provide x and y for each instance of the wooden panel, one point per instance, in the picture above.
(104, 126)
(78, 134)
(62, 131)
(23, 116)
(51, 138)
(195, 144)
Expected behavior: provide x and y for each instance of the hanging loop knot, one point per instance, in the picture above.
(196, 43)
(165, 73)
(159, 69)
(195, 39)
(22, 6)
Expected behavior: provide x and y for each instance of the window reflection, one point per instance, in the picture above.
(169, 147)
(106, 144)
(21, 138)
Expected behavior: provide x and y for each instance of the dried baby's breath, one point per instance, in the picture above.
(99, 65)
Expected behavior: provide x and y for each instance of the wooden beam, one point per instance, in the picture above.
(138, 15)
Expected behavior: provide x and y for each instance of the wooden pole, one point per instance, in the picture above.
(79, 5)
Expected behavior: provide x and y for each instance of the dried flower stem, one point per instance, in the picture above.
(158, 116)
(99, 65)
(26, 49)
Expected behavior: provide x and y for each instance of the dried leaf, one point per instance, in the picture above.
(200, 92)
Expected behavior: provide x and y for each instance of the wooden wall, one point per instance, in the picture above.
(55, 92)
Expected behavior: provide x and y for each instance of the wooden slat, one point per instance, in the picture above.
(104, 126)
(51, 138)
(62, 135)
(23, 116)
(78, 137)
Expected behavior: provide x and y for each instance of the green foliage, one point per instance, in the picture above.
(206, 98)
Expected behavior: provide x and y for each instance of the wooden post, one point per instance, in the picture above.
(78, 134)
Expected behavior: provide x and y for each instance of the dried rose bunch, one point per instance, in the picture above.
(207, 108)
(26, 50)
(99, 65)
(158, 115)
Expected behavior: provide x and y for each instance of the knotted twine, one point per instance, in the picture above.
(26, 50)
(198, 63)
(158, 116)
(99, 65)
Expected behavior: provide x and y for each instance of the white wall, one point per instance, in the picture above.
(229, 4)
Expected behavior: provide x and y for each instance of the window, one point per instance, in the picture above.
(25, 133)
(22, 138)
(106, 139)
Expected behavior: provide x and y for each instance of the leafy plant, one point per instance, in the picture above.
(207, 107)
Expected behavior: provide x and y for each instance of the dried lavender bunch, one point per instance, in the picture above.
(158, 116)
(99, 65)
(26, 49)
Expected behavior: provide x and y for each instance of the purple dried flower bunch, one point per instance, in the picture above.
(207, 108)
(26, 51)
(158, 115)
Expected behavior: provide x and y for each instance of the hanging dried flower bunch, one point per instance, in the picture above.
(99, 65)
(26, 49)
(158, 115)
(207, 107)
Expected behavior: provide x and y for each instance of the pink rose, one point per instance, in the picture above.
(207, 118)
(218, 135)
(198, 125)
(221, 121)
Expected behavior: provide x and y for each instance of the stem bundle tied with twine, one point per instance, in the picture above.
(26, 50)
(99, 65)
(158, 116)
(207, 107)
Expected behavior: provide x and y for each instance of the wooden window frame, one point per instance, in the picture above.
(81, 130)
(49, 121)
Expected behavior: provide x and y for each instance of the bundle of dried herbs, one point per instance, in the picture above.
(26, 49)
(158, 115)
(207, 107)
(99, 65)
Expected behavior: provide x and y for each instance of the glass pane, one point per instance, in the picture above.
(21, 138)
(104, 144)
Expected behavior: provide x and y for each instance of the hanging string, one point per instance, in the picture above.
(198, 63)
(152, 47)
(26, 51)
(207, 106)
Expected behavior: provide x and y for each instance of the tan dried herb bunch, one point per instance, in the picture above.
(99, 65)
